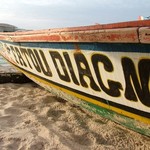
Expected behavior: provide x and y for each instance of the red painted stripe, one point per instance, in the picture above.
(109, 35)
(126, 32)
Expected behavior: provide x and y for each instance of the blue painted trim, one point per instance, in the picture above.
(107, 47)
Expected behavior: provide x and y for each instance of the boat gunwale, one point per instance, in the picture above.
(130, 24)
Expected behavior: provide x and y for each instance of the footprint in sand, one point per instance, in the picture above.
(55, 113)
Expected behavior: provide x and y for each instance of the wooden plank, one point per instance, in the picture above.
(125, 35)
(124, 32)
(144, 35)
(130, 24)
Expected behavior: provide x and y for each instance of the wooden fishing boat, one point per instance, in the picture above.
(103, 68)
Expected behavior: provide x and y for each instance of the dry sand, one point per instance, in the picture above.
(33, 119)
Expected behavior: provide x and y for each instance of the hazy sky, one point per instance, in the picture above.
(43, 14)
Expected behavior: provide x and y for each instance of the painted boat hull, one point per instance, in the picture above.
(109, 76)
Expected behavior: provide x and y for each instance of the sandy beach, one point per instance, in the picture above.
(33, 119)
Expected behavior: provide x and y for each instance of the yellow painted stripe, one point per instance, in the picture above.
(115, 109)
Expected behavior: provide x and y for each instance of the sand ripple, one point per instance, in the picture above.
(33, 119)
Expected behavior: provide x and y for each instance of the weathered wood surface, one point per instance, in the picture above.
(144, 35)
(125, 32)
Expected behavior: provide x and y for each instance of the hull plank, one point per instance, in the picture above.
(105, 70)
